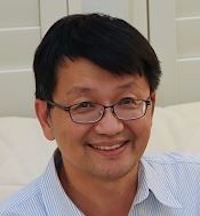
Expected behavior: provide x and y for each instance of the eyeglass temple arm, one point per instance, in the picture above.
(52, 103)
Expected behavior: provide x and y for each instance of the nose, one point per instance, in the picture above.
(109, 124)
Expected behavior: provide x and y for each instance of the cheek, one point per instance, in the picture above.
(141, 126)
(141, 129)
(70, 135)
(146, 126)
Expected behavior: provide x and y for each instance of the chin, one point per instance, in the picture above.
(117, 171)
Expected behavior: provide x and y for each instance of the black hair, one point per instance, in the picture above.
(106, 41)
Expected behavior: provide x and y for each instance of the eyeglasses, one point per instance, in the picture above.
(89, 112)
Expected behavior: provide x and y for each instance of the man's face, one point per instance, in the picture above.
(110, 148)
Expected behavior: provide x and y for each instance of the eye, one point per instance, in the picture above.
(128, 101)
(83, 106)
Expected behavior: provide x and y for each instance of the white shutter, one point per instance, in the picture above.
(21, 24)
(133, 11)
(174, 33)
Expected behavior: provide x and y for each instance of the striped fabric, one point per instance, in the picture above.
(169, 185)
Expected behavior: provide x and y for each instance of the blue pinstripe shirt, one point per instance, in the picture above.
(169, 185)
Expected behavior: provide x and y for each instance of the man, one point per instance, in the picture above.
(96, 80)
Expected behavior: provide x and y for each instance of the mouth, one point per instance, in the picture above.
(108, 149)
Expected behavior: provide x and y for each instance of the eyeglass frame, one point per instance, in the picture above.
(147, 103)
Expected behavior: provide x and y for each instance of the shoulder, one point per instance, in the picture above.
(173, 159)
(174, 175)
(174, 164)
(28, 201)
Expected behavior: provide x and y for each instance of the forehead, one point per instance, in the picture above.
(82, 76)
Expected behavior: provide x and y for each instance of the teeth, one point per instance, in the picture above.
(107, 148)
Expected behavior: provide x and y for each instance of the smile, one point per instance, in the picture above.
(108, 148)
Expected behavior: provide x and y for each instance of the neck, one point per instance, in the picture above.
(100, 197)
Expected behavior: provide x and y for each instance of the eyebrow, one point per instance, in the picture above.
(77, 90)
(80, 90)
(127, 85)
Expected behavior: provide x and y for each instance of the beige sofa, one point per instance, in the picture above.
(24, 152)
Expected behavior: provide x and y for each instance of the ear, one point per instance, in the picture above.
(153, 101)
(44, 118)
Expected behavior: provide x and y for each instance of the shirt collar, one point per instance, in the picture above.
(54, 197)
(149, 181)
(57, 202)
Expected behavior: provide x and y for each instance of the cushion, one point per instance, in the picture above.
(176, 128)
(24, 152)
